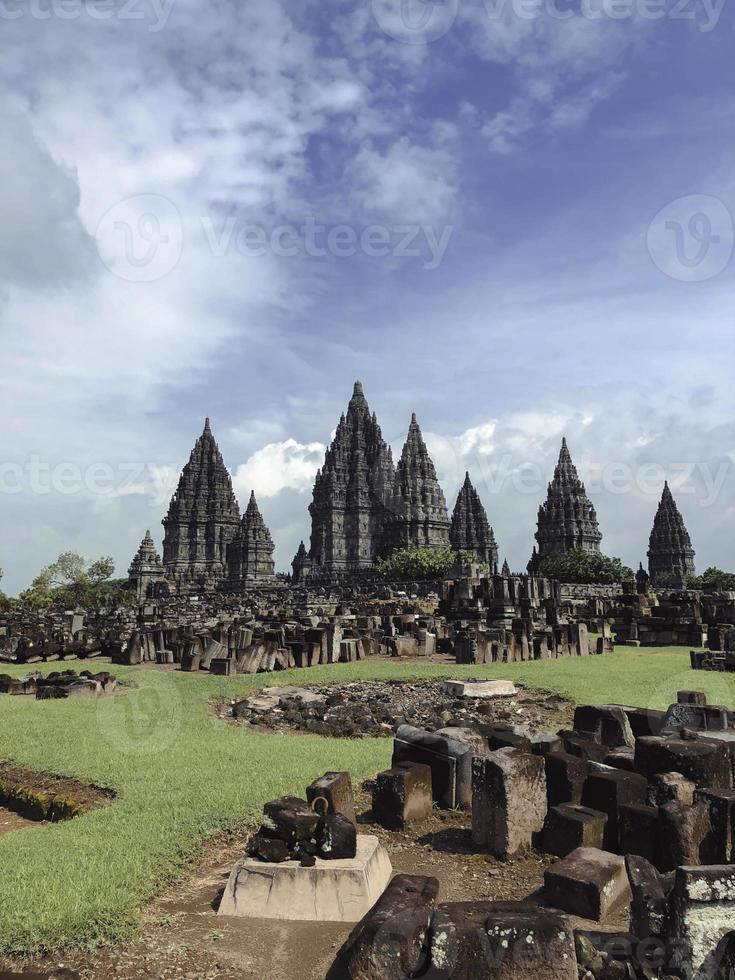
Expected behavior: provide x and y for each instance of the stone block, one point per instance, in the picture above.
(705, 761)
(584, 748)
(607, 791)
(331, 891)
(450, 762)
(402, 796)
(683, 830)
(565, 777)
(508, 800)
(649, 908)
(638, 831)
(588, 882)
(479, 689)
(502, 941)
(290, 819)
(604, 723)
(718, 846)
(335, 788)
(663, 787)
(645, 721)
(696, 717)
(691, 697)
(392, 940)
(336, 837)
(568, 827)
(702, 912)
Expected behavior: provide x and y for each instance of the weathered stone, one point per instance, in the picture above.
(392, 941)
(336, 837)
(639, 830)
(480, 689)
(697, 717)
(330, 891)
(691, 697)
(683, 829)
(649, 908)
(663, 787)
(450, 762)
(705, 761)
(607, 791)
(402, 795)
(270, 849)
(718, 846)
(565, 777)
(702, 912)
(605, 723)
(335, 788)
(508, 800)
(568, 827)
(290, 818)
(588, 882)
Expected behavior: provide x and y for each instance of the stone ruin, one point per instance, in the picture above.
(60, 684)
(638, 808)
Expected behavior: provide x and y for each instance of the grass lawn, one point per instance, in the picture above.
(181, 774)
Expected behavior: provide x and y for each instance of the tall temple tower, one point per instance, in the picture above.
(351, 492)
(419, 511)
(202, 519)
(470, 530)
(566, 520)
(146, 568)
(670, 549)
(250, 553)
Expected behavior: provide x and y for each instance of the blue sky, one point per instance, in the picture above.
(529, 209)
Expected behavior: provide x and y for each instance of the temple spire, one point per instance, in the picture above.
(470, 530)
(250, 554)
(670, 551)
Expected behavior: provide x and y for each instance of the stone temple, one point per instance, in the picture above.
(250, 554)
(566, 520)
(670, 549)
(202, 519)
(146, 568)
(470, 530)
(418, 509)
(352, 494)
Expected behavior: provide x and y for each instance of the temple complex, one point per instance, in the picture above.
(470, 530)
(418, 509)
(351, 493)
(566, 520)
(202, 519)
(146, 568)
(250, 553)
(670, 549)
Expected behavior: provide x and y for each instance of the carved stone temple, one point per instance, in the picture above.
(146, 568)
(470, 529)
(351, 494)
(202, 519)
(250, 554)
(419, 516)
(566, 520)
(670, 549)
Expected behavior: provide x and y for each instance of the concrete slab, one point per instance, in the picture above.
(479, 689)
(331, 891)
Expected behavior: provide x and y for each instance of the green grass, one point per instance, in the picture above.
(181, 774)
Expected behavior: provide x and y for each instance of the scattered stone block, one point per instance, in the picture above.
(608, 791)
(290, 819)
(718, 847)
(565, 777)
(479, 689)
(568, 827)
(336, 837)
(644, 721)
(649, 909)
(335, 788)
(691, 697)
(402, 796)
(665, 787)
(588, 882)
(508, 800)
(639, 831)
(702, 912)
(683, 829)
(450, 762)
(330, 891)
(269, 849)
(604, 723)
(705, 761)
(697, 717)
(391, 942)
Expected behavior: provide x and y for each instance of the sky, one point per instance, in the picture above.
(513, 217)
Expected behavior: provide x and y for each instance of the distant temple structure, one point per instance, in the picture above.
(670, 551)
(470, 529)
(301, 566)
(202, 519)
(566, 520)
(351, 494)
(146, 569)
(250, 553)
(418, 517)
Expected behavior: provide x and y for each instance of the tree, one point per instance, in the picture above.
(420, 564)
(69, 580)
(713, 580)
(584, 567)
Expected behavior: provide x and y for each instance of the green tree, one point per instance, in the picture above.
(713, 580)
(420, 564)
(585, 568)
(71, 581)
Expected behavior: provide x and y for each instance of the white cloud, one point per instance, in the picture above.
(287, 465)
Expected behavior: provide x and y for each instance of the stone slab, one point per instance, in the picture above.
(479, 689)
(331, 891)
